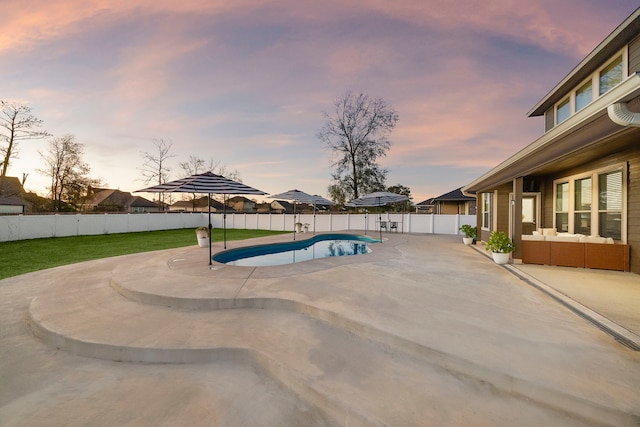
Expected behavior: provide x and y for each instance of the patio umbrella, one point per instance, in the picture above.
(379, 198)
(302, 197)
(205, 183)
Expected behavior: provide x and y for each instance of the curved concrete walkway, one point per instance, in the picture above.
(423, 331)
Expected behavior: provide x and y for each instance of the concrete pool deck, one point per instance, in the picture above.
(422, 331)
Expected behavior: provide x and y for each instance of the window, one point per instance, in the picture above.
(562, 207)
(487, 204)
(611, 75)
(597, 204)
(610, 204)
(600, 82)
(582, 207)
(584, 95)
(563, 111)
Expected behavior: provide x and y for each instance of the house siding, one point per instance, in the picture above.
(549, 121)
(449, 208)
(502, 211)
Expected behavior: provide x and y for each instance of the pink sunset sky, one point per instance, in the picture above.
(246, 82)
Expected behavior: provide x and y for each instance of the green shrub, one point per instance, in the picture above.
(469, 231)
(500, 242)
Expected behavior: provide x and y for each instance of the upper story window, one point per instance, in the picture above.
(602, 81)
(563, 111)
(611, 75)
(584, 95)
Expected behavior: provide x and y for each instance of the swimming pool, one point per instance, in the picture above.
(321, 246)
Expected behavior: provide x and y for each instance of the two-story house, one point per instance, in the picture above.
(582, 176)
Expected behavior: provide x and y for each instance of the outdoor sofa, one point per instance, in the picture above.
(548, 247)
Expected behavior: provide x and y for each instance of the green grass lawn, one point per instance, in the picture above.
(24, 256)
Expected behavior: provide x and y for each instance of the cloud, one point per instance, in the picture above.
(246, 82)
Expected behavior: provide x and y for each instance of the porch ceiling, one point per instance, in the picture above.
(607, 138)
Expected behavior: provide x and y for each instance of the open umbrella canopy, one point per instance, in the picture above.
(302, 197)
(205, 183)
(379, 198)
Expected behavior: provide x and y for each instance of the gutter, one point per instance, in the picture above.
(619, 114)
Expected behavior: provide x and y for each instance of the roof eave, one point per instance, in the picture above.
(618, 38)
(623, 92)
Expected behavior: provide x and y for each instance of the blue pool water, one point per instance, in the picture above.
(322, 246)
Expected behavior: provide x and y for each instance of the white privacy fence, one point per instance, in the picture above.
(20, 227)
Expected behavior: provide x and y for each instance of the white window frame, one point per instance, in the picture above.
(489, 226)
(624, 66)
(595, 85)
(565, 101)
(555, 203)
(595, 218)
(575, 94)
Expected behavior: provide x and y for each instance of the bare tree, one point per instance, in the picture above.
(155, 168)
(68, 172)
(196, 165)
(193, 166)
(16, 124)
(356, 133)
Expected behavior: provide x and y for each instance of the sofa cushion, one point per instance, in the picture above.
(594, 239)
(565, 238)
(532, 237)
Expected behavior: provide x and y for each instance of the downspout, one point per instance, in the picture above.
(619, 113)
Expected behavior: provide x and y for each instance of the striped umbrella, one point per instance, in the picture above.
(379, 198)
(302, 197)
(205, 183)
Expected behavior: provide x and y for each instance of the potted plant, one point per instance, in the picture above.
(500, 246)
(202, 233)
(469, 234)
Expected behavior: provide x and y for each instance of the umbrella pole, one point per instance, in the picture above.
(366, 221)
(314, 218)
(224, 220)
(380, 220)
(294, 220)
(210, 227)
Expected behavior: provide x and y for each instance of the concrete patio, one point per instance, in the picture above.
(422, 331)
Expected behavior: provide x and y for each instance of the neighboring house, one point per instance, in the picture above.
(12, 196)
(108, 200)
(582, 177)
(263, 208)
(453, 203)
(425, 206)
(242, 204)
(281, 207)
(198, 205)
